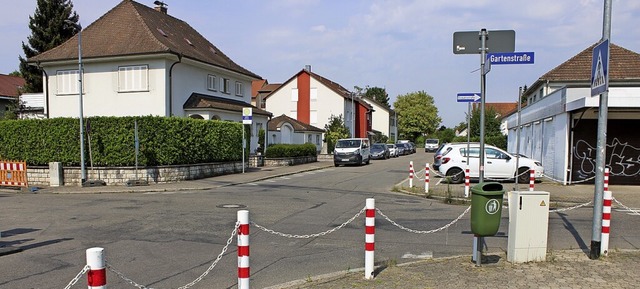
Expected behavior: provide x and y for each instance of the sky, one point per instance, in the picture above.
(403, 46)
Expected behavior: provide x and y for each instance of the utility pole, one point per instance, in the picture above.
(601, 148)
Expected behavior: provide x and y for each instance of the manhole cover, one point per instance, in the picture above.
(231, 206)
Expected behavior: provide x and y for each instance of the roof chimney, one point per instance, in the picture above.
(160, 6)
(307, 68)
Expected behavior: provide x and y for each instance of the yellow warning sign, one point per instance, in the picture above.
(543, 204)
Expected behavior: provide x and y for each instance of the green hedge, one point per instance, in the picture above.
(499, 141)
(163, 141)
(291, 150)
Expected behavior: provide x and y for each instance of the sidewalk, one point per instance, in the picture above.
(252, 174)
(563, 269)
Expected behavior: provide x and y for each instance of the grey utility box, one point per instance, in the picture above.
(528, 226)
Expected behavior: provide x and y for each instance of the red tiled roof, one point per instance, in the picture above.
(256, 85)
(131, 28)
(502, 108)
(624, 65)
(277, 122)
(9, 85)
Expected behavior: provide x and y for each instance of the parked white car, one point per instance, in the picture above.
(499, 165)
(393, 150)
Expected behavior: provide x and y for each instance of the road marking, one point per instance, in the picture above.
(285, 178)
(631, 211)
(423, 255)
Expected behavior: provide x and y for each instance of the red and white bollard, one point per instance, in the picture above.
(411, 174)
(606, 215)
(97, 274)
(426, 178)
(243, 249)
(466, 182)
(369, 239)
(532, 179)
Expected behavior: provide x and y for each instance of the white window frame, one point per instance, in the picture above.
(294, 114)
(224, 85)
(212, 83)
(67, 82)
(239, 89)
(294, 94)
(313, 94)
(133, 78)
(313, 117)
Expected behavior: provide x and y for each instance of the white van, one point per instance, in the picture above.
(431, 145)
(352, 151)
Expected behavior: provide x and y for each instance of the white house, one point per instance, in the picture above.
(558, 126)
(383, 118)
(313, 99)
(140, 61)
(286, 130)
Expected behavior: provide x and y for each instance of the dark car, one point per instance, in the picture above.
(380, 151)
(403, 149)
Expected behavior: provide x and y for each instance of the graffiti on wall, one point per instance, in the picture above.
(622, 159)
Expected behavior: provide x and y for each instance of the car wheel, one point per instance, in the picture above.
(455, 175)
(367, 162)
(523, 175)
(336, 164)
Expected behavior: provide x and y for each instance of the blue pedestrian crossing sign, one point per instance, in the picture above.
(600, 68)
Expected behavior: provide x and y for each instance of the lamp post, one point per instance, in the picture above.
(83, 171)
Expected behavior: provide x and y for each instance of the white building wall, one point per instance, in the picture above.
(329, 103)
(279, 102)
(100, 92)
(380, 118)
(190, 77)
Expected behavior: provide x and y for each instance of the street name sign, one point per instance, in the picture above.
(469, 97)
(470, 42)
(600, 68)
(511, 58)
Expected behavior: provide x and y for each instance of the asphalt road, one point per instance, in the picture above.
(166, 240)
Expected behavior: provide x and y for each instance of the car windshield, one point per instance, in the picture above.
(345, 143)
(378, 146)
(432, 141)
(390, 146)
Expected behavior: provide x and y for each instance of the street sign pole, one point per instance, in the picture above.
(601, 147)
(483, 84)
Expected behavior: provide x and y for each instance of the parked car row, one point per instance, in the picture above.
(359, 151)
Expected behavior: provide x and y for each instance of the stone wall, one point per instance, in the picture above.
(276, 162)
(118, 176)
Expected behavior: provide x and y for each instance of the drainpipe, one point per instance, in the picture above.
(266, 137)
(46, 90)
(171, 83)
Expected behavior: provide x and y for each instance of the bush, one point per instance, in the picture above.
(499, 141)
(163, 141)
(291, 150)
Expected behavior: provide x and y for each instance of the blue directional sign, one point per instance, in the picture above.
(469, 97)
(600, 68)
(511, 58)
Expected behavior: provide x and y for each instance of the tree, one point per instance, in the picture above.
(48, 30)
(335, 130)
(491, 122)
(378, 94)
(417, 115)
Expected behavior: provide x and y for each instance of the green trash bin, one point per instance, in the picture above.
(486, 208)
